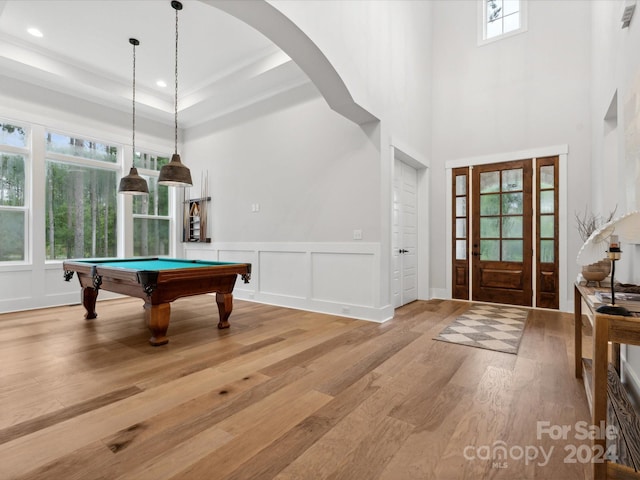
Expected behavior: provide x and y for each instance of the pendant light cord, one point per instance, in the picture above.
(176, 90)
(133, 161)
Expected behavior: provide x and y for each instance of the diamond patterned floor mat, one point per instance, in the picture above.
(494, 327)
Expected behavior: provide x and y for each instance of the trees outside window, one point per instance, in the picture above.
(79, 201)
(151, 213)
(13, 207)
(81, 198)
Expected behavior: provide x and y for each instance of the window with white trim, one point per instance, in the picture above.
(14, 152)
(151, 221)
(502, 18)
(81, 197)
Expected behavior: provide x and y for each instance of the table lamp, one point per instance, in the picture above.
(627, 229)
(613, 253)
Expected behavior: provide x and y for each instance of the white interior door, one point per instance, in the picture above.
(404, 234)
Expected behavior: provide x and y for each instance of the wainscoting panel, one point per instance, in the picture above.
(284, 273)
(335, 278)
(343, 277)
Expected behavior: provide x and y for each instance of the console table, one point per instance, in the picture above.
(606, 395)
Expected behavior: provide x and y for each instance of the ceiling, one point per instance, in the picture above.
(224, 64)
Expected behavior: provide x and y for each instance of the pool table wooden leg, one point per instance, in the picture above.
(89, 296)
(157, 319)
(225, 305)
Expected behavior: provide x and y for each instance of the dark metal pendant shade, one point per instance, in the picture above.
(175, 173)
(133, 184)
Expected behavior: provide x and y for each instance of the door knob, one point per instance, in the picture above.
(402, 250)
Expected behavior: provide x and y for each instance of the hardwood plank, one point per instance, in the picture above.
(420, 454)
(281, 394)
(335, 448)
(167, 465)
(275, 457)
(275, 420)
(374, 451)
(483, 424)
(44, 421)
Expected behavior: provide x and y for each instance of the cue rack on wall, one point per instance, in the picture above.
(195, 215)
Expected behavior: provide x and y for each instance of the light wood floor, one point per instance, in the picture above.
(282, 394)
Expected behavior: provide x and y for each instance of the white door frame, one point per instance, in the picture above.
(562, 151)
(421, 164)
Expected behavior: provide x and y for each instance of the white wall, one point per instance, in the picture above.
(319, 177)
(382, 51)
(524, 92)
(315, 176)
(313, 173)
(616, 75)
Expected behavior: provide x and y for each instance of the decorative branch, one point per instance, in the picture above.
(589, 222)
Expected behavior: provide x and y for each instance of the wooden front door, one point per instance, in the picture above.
(501, 233)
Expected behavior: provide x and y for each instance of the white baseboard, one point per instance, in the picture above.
(440, 293)
(358, 312)
(334, 278)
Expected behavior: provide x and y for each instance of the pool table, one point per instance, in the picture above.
(158, 281)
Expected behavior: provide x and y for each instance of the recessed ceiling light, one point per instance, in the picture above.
(161, 83)
(35, 32)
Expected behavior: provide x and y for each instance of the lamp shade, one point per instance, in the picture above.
(175, 173)
(626, 227)
(133, 184)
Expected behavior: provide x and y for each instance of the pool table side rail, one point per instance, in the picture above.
(158, 286)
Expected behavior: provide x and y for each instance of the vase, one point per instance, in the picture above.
(596, 272)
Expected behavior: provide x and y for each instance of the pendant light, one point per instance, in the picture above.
(133, 184)
(175, 173)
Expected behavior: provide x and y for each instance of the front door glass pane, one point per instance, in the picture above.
(490, 250)
(512, 250)
(512, 180)
(512, 227)
(490, 204)
(512, 203)
(489, 182)
(490, 227)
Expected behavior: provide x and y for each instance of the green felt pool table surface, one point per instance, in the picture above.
(158, 281)
(154, 263)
